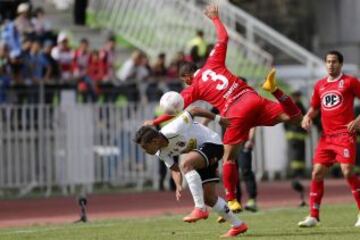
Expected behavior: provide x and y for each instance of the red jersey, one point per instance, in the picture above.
(214, 83)
(336, 102)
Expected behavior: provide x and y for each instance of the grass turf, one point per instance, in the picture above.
(337, 223)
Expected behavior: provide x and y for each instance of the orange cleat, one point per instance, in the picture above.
(195, 215)
(234, 231)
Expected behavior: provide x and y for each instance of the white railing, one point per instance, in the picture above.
(71, 145)
(167, 26)
(74, 145)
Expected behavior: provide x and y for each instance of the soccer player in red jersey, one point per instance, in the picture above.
(235, 100)
(333, 97)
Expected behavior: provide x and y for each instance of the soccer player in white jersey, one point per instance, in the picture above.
(201, 149)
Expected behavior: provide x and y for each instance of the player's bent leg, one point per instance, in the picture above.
(220, 207)
(191, 162)
(316, 194)
(287, 104)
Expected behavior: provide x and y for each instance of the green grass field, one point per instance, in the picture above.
(337, 223)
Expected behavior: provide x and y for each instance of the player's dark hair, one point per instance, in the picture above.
(145, 134)
(339, 56)
(187, 68)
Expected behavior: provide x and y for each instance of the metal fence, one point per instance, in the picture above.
(72, 144)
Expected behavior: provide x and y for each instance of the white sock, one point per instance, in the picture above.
(223, 210)
(195, 185)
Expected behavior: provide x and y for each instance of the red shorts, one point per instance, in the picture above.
(248, 111)
(336, 148)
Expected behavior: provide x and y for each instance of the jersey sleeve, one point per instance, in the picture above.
(190, 95)
(315, 99)
(166, 158)
(181, 122)
(355, 86)
(218, 55)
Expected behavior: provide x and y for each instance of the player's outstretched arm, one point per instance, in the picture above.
(199, 112)
(160, 119)
(212, 12)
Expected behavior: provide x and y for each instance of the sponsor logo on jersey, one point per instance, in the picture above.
(331, 100)
(185, 118)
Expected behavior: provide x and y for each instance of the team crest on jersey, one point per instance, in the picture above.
(341, 84)
(346, 153)
(331, 100)
(181, 144)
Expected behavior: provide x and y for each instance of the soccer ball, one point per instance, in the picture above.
(172, 103)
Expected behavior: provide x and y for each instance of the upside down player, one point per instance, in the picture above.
(237, 101)
(201, 149)
(334, 97)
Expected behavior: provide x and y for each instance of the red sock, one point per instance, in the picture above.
(230, 175)
(354, 183)
(287, 103)
(316, 194)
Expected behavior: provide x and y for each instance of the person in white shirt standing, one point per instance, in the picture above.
(201, 149)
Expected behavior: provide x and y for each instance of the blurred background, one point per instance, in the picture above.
(77, 78)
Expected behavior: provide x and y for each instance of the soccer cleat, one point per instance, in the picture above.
(270, 82)
(308, 222)
(251, 205)
(302, 204)
(234, 206)
(195, 215)
(220, 219)
(234, 231)
(357, 224)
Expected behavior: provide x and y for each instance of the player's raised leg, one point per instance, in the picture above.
(293, 113)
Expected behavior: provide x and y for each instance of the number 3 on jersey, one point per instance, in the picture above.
(215, 77)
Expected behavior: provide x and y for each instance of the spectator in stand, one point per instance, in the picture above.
(159, 68)
(42, 25)
(158, 74)
(40, 67)
(80, 59)
(5, 71)
(22, 21)
(108, 57)
(96, 69)
(130, 70)
(54, 72)
(198, 47)
(135, 70)
(26, 63)
(144, 70)
(11, 36)
(62, 53)
(176, 62)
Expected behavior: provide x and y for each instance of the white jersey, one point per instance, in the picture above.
(184, 135)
